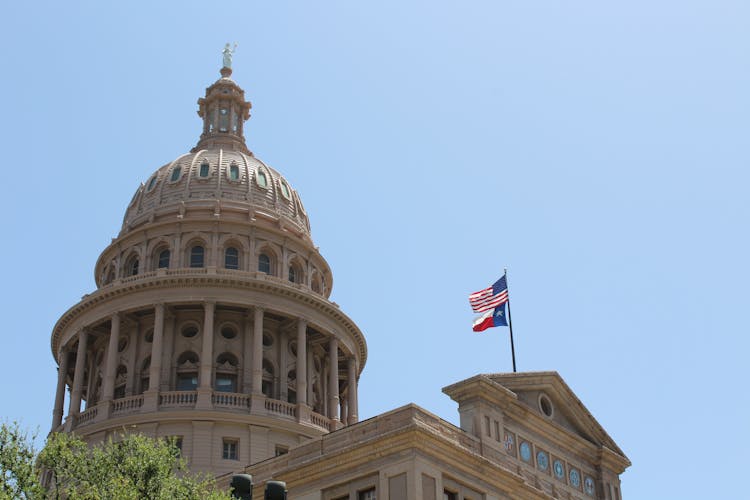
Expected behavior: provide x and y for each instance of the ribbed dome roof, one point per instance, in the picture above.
(219, 172)
(209, 176)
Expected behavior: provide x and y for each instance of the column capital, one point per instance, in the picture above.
(208, 303)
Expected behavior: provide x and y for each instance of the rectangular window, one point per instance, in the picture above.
(187, 382)
(497, 430)
(226, 383)
(281, 450)
(229, 449)
(487, 425)
(368, 494)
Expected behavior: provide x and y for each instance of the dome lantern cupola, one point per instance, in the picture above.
(224, 111)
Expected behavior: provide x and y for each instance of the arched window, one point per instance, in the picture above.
(175, 174)
(232, 258)
(264, 263)
(292, 386)
(131, 267)
(234, 172)
(204, 169)
(267, 384)
(151, 183)
(197, 254)
(163, 259)
(187, 371)
(226, 373)
(261, 179)
(145, 369)
(120, 380)
(292, 274)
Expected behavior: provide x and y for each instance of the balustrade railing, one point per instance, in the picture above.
(183, 399)
(127, 405)
(188, 399)
(85, 417)
(320, 421)
(281, 407)
(230, 400)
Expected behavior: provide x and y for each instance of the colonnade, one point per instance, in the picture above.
(252, 366)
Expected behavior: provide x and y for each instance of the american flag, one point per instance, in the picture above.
(490, 297)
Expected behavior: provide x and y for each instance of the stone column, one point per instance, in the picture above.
(167, 350)
(157, 345)
(352, 375)
(333, 380)
(151, 396)
(62, 371)
(205, 388)
(247, 355)
(258, 351)
(281, 381)
(302, 361)
(110, 367)
(75, 395)
(207, 351)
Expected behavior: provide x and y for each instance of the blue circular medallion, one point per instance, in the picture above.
(559, 469)
(526, 451)
(542, 461)
(575, 478)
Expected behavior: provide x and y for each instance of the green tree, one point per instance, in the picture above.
(133, 467)
(19, 475)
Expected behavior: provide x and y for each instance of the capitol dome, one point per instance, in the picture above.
(211, 321)
(218, 179)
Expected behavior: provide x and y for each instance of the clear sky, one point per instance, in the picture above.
(599, 150)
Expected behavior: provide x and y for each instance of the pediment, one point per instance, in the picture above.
(520, 395)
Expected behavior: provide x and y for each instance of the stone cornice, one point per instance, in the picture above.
(219, 278)
(411, 429)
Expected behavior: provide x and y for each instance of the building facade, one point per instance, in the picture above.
(211, 323)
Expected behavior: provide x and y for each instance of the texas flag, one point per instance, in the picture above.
(494, 317)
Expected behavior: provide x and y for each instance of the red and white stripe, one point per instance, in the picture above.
(483, 300)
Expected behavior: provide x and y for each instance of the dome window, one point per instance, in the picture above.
(261, 179)
(163, 261)
(175, 174)
(285, 190)
(234, 172)
(292, 274)
(264, 263)
(197, 254)
(204, 169)
(131, 267)
(232, 258)
(151, 183)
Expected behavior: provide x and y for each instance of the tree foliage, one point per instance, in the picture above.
(133, 467)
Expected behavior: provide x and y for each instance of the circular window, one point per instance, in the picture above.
(189, 332)
(122, 344)
(228, 332)
(267, 340)
(149, 337)
(545, 405)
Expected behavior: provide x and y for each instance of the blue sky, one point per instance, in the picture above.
(597, 150)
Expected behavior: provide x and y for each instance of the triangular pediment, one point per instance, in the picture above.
(542, 397)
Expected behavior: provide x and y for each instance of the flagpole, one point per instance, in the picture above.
(510, 323)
